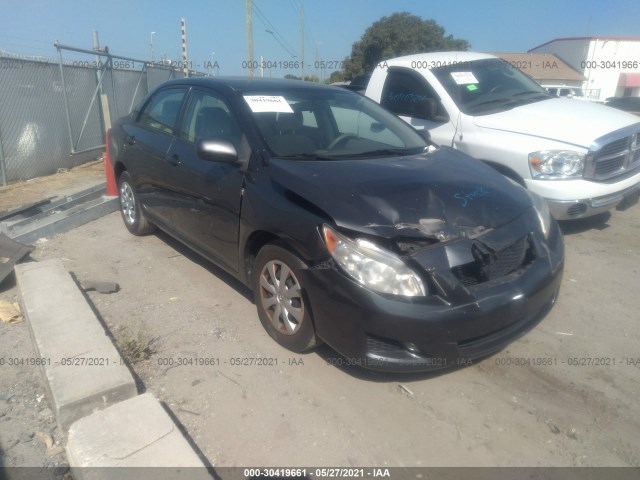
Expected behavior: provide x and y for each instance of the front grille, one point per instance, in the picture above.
(609, 166)
(615, 158)
(501, 263)
(614, 147)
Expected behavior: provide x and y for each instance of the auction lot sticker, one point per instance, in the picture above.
(464, 78)
(267, 103)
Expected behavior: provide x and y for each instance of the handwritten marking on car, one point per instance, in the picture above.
(467, 197)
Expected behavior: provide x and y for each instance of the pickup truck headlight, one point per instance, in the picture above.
(542, 209)
(556, 164)
(373, 267)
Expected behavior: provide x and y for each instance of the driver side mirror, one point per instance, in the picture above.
(216, 150)
(429, 108)
(424, 133)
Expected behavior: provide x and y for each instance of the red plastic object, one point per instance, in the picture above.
(112, 188)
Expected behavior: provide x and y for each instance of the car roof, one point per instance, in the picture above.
(244, 84)
(437, 57)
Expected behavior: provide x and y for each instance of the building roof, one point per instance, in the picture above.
(542, 66)
(623, 39)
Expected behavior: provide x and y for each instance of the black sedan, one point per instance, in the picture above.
(348, 227)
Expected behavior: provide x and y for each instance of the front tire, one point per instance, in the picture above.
(130, 208)
(281, 301)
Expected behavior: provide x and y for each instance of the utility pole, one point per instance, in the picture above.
(250, 39)
(151, 48)
(97, 58)
(302, 40)
(185, 54)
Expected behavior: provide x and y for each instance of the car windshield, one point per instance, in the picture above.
(328, 124)
(488, 86)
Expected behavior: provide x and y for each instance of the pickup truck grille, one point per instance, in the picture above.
(615, 158)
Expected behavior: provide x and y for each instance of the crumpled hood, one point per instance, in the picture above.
(442, 195)
(562, 119)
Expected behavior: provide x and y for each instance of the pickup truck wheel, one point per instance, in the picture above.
(130, 207)
(281, 301)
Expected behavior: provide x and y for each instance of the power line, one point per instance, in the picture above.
(273, 30)
(267, 23)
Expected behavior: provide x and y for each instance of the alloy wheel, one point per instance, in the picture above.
(127, 203)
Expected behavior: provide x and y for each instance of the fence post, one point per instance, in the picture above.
(3, 170)
(66, 99)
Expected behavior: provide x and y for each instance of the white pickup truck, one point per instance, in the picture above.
(583, 158)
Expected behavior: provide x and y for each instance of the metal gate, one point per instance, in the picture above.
(55, 116)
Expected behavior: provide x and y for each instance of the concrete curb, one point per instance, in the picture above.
(92, 393)
(82, 368)
(134, 433)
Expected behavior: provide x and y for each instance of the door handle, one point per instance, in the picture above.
(175, 160)
(130, 139)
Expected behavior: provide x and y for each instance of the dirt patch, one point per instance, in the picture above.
(65, 182)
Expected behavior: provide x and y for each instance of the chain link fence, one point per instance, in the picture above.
(52, 114)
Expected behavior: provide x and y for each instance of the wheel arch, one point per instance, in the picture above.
(118, 168)
(254, 243)
(506, 171)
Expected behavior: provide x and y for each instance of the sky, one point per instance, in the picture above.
(216, 29)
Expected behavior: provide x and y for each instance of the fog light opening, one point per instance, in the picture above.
(412, 348)
(577, 209)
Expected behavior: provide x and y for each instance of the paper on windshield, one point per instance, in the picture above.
(464, 78)
(267, 103)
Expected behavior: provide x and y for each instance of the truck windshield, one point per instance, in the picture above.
(329, 124)
(488, 86)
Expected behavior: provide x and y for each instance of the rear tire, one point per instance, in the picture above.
(130, 208)
(281, 300)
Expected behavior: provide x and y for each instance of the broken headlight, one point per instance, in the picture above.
(375, 268)
(556, 164)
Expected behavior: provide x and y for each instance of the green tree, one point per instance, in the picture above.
(396, 35)
(337, 76)
(307, 78)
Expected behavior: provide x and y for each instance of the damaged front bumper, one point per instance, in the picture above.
(464, 319)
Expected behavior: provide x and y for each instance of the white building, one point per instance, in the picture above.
(611, 65)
